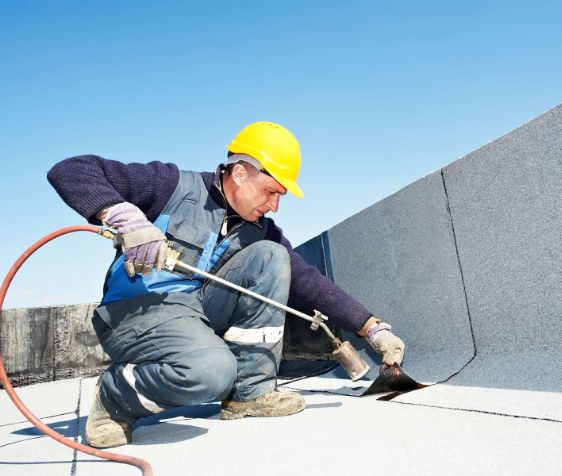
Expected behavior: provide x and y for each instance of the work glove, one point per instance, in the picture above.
(144, 245)
(386, 344)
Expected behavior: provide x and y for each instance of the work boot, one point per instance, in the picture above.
(102, 431)
(271, 404)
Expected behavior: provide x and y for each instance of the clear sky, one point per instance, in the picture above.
(378, 93)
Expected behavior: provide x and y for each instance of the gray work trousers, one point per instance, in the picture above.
(231, 351)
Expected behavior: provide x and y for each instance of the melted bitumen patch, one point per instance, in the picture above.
(392, 381)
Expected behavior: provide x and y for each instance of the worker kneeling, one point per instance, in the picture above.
(179, 340)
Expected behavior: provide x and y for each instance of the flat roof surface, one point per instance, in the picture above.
(442, 429)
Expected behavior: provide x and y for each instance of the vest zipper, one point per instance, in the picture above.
(235, 227)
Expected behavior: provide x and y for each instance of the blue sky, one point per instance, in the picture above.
(378, 93)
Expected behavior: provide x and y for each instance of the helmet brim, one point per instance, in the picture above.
(291, 186)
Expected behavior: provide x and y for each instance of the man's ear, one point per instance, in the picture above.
(239, 174)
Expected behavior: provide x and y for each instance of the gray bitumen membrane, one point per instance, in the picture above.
(465, 264)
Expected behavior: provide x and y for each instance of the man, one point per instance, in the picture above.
(176, 340)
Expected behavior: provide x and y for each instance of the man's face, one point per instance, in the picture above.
(254, 194)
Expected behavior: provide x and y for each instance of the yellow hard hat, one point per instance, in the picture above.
(275, 148)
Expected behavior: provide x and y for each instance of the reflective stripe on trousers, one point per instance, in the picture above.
(269, 335)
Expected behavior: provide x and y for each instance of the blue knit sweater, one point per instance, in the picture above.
(89, 183)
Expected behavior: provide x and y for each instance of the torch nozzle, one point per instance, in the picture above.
(349, 359)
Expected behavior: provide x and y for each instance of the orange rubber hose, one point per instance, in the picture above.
(132, 460)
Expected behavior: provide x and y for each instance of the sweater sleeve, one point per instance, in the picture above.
(310, 290)
(89, 183)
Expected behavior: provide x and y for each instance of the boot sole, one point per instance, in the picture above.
(235, 414)
(108, 442)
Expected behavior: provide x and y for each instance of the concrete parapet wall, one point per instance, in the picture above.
(50, 343)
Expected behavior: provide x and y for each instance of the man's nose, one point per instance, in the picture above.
(274, 203)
